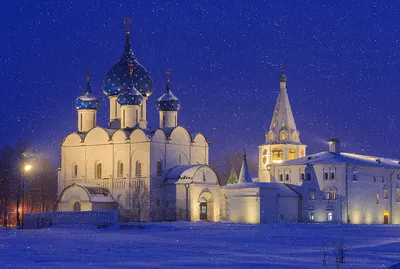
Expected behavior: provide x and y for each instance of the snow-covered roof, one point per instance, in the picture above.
(244, 176)
(96, 193)
(186, 173)
(327, 157)
(283, 190)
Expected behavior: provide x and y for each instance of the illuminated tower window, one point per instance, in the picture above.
(292, 154)
(277, 155)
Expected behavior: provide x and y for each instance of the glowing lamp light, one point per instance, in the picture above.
(277, 161)
(28, 167)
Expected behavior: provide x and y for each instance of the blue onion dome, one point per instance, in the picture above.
(130, 96)
(117, 78)
(87, 100)
(168, 101)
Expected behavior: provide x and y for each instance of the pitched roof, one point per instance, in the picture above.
(244, 176)
(327, 157)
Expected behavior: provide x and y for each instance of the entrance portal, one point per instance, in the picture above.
(386, 218)
(203, 209)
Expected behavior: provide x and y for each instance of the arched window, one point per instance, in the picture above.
(120, 169)
(77, 206)
(159, 168)
(327, 195)
(330, 216)
(123, 118)
(99, 170)
(281, 177)
(398, 194)
(312, 196)
(377, 198)
(75, 170)
(332, 175)
(385, 193)
(287, 177)
(302, 153)
(326, 176)
(283, 135)
(295, 136)
(277, 155)
(138, 169)
(264, 156)
(136, 116)
(271, 136)
(179, 159)
(292, 154)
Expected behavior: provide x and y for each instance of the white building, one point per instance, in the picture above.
(165, 167)
(330, 186)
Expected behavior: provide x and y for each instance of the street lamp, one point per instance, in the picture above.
(27, 168)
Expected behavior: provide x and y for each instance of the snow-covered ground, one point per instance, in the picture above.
(200, 245)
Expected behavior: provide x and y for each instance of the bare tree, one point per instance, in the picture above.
(7, 172)
(339, 252)
(138, 200)
(324, 256)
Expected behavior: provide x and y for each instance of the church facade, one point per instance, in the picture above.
(149, 174)
(330, 186)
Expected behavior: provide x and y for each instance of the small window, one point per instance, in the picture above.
(292, 154)
(75, 170)
(287, 177)
(77, 206)
(327, 195)
(281, 177)
(333, 196)
(179, 159)
(355, 177)
(138, 169)
(374, 179)
(159, 168)
(99, 170)
(308, 176)
(312, 196)
(330, 216)
(302, 176)
(377, 198)
(332, 176)
(383, 179)
(311, 216)
(120, 169)
(283, 136)
(281, 217)
(326, 177)
(385, 194)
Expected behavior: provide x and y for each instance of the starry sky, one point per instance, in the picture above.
(341, 62)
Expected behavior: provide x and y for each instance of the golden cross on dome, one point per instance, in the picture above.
(128, 24)
(168, 73)
(88, 72)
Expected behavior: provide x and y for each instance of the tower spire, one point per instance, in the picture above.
(168, 74)
(244, 176)
(128, 24)
(88, 87)
(128, 53)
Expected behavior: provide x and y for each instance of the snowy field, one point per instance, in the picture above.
(200, 245)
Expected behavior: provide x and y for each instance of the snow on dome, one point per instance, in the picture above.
(131, 96)
(87, 100)
(117, 78)
(168, 101)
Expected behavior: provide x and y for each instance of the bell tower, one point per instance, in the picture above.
(282, 139)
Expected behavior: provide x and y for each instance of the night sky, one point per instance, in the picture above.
(341, 61)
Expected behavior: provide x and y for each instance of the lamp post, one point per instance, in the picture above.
(187, 185)
(26, 168)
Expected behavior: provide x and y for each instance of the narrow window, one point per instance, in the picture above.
(141, 111)
(385, 194)
(80, 122)
(327, 195)
(308, 176)
(302, 176)
(179, 159)
(377, 198)
(98, 170)
(312, 196)
(397, 195)
(75, 174)
(333, 195)
(354, 177)
(326, 176)
(120, 169)
(176, 121)
(162, 120)
(159, 168)
(138, 169)
(123, 119)
(281, 177)
(94, 120)
(374, 179)
(330, 216)
(332, 175)
(287, 177)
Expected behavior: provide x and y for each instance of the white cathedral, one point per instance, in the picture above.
(163, 174)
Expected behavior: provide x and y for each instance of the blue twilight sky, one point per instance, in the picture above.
(341, 58)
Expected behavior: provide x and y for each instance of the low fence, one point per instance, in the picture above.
(48, 219)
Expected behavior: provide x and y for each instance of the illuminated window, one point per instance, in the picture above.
(302, 153)
(312, 196)
(327, 195)
(377, 198)
(295, 136)
(283, 136)
(271, 136)
(385, 194)
(98, 170)
(283, 124)
(138, 169)
(292, 154)
(333, 196)
(120, 169)
(159, 168)
(330, 216)
(277, 155)
(75, 170)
